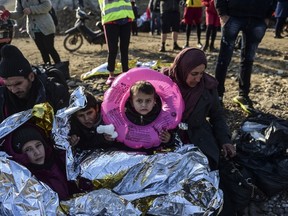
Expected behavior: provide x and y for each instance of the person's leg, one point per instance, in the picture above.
(252, 36)
(213, 38)
(280, 21)
(165, 30)
(188, 33)
(198, 28)
(40, 43)
(208, 34)
(49, 46)
(229, 34)
(124, 45)
(175, 24)
(152, 23)
(158, 21)
(112, 35)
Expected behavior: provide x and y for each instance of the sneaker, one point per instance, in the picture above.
(213, 49)
(199, 45)
(205, 48)
(176, 47)
(185, 46)
(245, 103)
(110, 80)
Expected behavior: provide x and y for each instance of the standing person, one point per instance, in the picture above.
(134, 22)
(40, 26)
(252, 18)
(170, 17)
(117, 16)
(212, 24)
(193, 16)
(23, 88)
(203, 114)
(155, 22)
(281, 14)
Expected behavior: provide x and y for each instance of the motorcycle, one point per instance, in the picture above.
(74, 36)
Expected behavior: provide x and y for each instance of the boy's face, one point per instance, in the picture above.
(35, 151)
(87, 118)
(19, 85)
(143, 103)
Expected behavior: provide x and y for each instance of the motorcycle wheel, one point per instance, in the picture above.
(73, 42)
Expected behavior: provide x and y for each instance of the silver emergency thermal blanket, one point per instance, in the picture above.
(126, 183)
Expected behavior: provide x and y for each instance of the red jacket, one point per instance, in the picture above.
(210, 6)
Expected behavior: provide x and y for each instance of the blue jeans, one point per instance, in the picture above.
(155, 16)
(253, 30)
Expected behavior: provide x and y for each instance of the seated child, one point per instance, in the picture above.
(33, 151)
(143, 107)
(83, 134)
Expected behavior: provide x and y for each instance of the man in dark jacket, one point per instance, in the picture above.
(250, 17)
(23, 88)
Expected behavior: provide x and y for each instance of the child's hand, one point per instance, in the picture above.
(108, 137)
(73, 140)
(164, 136)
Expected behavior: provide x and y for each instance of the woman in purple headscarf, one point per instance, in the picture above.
(203, 113)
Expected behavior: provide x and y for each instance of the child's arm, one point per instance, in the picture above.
(164, 136)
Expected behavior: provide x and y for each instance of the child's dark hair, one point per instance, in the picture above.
(143, 87)
(92, 102)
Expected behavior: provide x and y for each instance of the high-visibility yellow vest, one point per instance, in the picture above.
(115, 9)
(193, 3)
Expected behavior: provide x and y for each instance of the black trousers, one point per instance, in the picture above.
(117, 33)
(45, 44)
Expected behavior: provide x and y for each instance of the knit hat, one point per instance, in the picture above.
(24, 135)
(13, 62)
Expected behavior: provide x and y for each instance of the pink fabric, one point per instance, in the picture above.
(1, 82)
(192, 15)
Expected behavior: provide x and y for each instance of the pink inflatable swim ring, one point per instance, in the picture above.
(138, 136)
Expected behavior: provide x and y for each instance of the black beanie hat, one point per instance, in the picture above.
(13, 62)
(23, 135)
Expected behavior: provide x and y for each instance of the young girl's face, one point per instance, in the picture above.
(195, 75)
(88, 117)
(143, 103)
(35, 151)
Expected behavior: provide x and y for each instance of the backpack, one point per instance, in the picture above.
(52, 13)
(50, 73)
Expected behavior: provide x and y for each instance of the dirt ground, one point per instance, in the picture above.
(269, 89)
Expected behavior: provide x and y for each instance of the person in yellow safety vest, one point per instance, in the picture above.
(193, 16)
(117, 16)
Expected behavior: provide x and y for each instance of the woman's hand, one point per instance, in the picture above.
(229, 150)
(73, 140)
(164, 136)
(224, 19)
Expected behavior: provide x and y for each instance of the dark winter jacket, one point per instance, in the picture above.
(154, 5)
(89, 138)
(169, 6)
(246, 8)
(42, 90)
(139, 119)
(207, 127)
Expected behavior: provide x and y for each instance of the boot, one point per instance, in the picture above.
(162, 48)
(176, 47)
